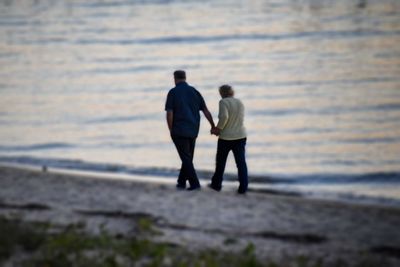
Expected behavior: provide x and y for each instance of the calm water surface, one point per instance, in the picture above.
(320, 81)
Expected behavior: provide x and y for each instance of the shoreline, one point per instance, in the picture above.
(278, 226)
(146, 178)
(229, 183)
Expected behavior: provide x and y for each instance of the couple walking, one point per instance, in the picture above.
(182, 106)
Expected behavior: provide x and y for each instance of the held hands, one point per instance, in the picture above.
(215, 131)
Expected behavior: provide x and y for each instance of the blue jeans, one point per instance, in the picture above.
(238, 149)
(185, 147)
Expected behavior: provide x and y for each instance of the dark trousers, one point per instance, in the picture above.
(238, 149)
(185, 147)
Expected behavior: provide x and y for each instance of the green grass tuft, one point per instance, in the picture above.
(72, 246)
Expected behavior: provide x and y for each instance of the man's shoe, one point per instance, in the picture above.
(214, 187)
(180, 187)
(241, 192)
(194, 188)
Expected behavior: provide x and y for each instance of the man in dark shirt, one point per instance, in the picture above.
(182, 106)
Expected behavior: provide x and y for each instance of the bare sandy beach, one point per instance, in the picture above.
(280, 227)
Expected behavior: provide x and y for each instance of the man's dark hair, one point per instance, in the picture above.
(180, 75)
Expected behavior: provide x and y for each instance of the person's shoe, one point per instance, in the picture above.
(213, 187)
(241, 192)
(194, 188)
(180, 187)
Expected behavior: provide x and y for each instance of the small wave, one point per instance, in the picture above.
(113, 60)
(377, 177)
(8, 54)
(44, 41)
(370, 140)
(35, 147)
(239, 37)
(388, 106)
(102, 4)
(197, 39)
(298, 83)
(37, 8)
(280, 112)
(387, 55)
(119, 119)
(332, 110)
(105, 4)
(14, 23)
(125, 70)
(303, 130)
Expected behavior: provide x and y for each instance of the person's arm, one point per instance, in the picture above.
(206, 112)
(170, 119)
(223, 116)
(169, 107)
(209, 117)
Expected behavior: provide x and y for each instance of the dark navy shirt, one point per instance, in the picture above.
(185, 102)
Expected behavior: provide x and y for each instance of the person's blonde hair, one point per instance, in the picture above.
(226, 90)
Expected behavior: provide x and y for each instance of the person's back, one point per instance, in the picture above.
(231, 119)
(186, 102)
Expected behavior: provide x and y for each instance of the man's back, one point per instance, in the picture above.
(185, 102)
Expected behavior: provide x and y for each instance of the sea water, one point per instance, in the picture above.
(83, 84)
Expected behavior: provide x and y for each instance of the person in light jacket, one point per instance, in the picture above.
(232, 136)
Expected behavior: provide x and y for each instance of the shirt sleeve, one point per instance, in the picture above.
(169, 104)
(223, 115)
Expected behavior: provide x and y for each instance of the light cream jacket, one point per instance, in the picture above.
(231, 117)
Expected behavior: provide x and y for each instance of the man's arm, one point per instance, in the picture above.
(170, 119)
(208, 116)
(169, 108)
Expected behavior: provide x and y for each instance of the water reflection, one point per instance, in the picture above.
(319, 79)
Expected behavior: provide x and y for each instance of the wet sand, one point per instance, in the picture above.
(280, 227)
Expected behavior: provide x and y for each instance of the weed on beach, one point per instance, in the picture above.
(30, 244)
